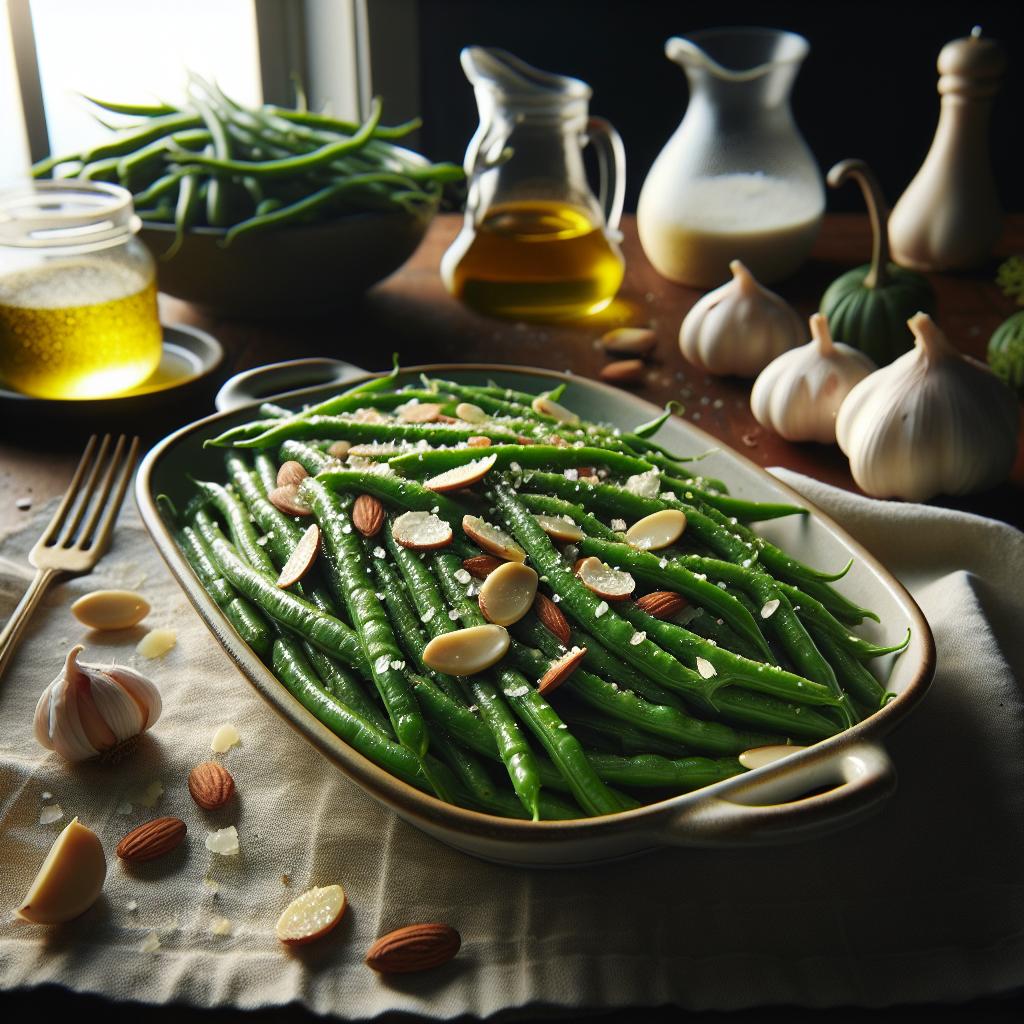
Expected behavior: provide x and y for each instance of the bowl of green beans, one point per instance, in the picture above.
(750, 714)
(265, 211)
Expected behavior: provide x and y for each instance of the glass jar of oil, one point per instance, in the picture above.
(536, 244)
(78, 313)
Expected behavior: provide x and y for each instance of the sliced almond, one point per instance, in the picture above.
(758, 757)
(339, 449)
(560, 670)
(546, 406)
(481, 566)
(311, 915)
(110, 609)
(559, 529)
(551, 618)
(380, 449)
(623, 371)
(368, 515)
(291, 472)
(470, 413)
(507, 594)
(286, 499)
(465, 652)
(629, 341)
(419, 412)
(658, 530)
(603, 580)
(302, 559)
(478, 441)
(492, 539)
(462, 476)
(661, 604)
(421, 531)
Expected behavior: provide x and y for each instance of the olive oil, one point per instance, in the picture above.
(534, 260)
(74, 329)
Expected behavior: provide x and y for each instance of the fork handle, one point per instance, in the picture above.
(19, 619)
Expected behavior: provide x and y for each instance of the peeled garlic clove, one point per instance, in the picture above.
(739, 328)
(932, 422)
(507, 594)
(465, 652)
(70, 879)
(110, 609)
(799, 393)
(89, 709)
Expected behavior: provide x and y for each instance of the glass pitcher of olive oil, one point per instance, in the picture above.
(536, 243)
(78, 310)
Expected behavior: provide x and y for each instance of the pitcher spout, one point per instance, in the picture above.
(491, 67)
(737, 55)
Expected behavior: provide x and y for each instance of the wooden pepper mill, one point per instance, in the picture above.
(949, 218)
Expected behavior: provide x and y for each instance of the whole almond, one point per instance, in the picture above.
(151, 840)
(629, 341)
(661, 604)
(291, 472)
(416, 947)
(286, 499)
(560, 670)
(368, 515)
(211, 785)
(481, 566)
(478, 441)
(551, 618)
(623, 371)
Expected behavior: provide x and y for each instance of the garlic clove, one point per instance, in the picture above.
(70, 879)
(88, 709)
(739, 328)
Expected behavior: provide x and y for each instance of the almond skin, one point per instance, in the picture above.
(481, 566)
(623, 371)
(291, 473)
(661, 604)
(551, 618)
(211, 785)
(368, 515)
(151, 840)
(416, 947)
(560, 671)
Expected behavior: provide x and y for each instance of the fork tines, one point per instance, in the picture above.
(80, 521)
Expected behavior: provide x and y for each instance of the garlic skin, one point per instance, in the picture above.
(799, 393)
(932, 422)
(739, 328)
(88, 709)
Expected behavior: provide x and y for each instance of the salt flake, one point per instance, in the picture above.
(705, 668)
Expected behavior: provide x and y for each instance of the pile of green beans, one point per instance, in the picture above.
(213, 162)
(763, 651)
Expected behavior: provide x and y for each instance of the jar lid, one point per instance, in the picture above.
(66, 214)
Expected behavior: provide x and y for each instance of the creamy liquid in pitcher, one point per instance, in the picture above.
(763, 221)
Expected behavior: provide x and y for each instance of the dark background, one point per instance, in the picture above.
(867, 88)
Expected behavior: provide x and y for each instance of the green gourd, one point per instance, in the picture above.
(1006, 352)
(869, 307)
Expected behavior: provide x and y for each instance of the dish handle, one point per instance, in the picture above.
(769, 806)
(254, 385)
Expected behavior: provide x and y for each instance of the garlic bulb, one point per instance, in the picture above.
(739, 328)
(932, 422)
(799, 393)
(87, 709)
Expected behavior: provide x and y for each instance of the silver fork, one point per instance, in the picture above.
(79, 532)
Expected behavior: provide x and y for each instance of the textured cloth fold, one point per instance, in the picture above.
(922, 902)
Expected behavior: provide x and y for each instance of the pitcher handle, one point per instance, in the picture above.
(611, 161)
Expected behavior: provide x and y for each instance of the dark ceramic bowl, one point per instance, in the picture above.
(288, 272)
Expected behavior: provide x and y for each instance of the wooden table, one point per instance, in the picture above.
(411, 314)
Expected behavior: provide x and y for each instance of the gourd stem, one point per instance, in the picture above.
(878, 211)
(822, 335)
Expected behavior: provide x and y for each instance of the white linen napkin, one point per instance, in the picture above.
(923, 902)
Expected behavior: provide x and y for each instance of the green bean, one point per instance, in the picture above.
(672, 576)
(394, 491)
(337, 680)
(155, 128)
(345, 127)
(313, 460)
(592, 690)
(344, 557)
(587, 521)
(134, 109)
(683, 773)
(131, 165)
(184, 214)
(854, 677)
